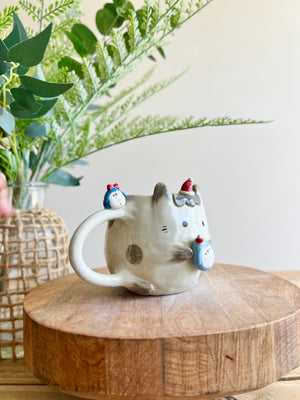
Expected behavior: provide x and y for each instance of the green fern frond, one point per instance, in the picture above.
(65, 112)
(55, 128)
(30, 9)
(175, 19)
(56, 9)
(105, 63)
(84, 130)
(83, 143)
(147, 12)
(119, 47)
(90, 75)
(118, 112)
(153, 125)
(156, 12)
(78, 90)
(123, 93)
(56, 50)
(6, 17)
(133, 31)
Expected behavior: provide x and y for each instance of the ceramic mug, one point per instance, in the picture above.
(154, 245)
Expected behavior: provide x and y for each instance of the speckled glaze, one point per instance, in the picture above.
(150, 242)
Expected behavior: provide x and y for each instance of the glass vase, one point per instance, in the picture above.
(33, 250)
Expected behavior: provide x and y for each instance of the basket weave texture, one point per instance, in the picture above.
(33, 250)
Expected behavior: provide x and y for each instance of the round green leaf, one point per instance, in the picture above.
(20, 111)
(72, 65)
(25, 99)
(79, 162)
(13, 38)
(47, 105)
(105, 20)
(126, 11)
(23, 113)
(63, 178)
(7, 121)
(37, 130)
(9, 99)
(4, 67)
(3, 51)
(112, 8)
(118, 21)
(88, 39)
(120, 3)
(30, 52)
(43, 88)
(22, 32)
(21, 70)
(77, 44)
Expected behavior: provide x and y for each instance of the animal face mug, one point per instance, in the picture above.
(154, 245)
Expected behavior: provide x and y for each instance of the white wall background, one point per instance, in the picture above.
(244, 62)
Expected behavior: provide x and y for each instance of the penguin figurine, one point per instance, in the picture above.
(203, 254)
(114, 198)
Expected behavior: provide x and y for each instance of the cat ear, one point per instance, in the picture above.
(196, 189)
(160, 192)
(197, 197)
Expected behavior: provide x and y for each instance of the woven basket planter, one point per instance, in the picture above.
(33, 250)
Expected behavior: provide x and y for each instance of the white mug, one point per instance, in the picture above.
(154, 245)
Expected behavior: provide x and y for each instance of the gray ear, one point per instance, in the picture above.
(160, 191)
(197, 198)
(196, 189)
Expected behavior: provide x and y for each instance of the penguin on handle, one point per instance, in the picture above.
(114, 198)
(203, 254)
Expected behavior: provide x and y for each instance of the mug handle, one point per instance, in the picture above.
(123, 278)
(76, 247)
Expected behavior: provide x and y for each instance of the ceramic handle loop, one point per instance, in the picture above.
(76, 248)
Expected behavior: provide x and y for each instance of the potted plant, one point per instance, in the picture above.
(49, 116)
(59, 103)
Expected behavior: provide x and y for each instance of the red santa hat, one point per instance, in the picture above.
(187, 187)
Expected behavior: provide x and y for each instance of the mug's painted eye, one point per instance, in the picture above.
(184, 223)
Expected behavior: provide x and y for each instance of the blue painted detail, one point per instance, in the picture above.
(203, 255)
(184, 223)
(106, 201)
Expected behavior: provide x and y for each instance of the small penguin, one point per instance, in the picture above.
(203, 254)
(114, 198)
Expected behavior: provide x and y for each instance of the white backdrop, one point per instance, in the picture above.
(244, 62)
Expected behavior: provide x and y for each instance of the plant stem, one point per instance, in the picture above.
(42, 15)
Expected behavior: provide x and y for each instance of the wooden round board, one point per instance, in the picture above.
(237, 330)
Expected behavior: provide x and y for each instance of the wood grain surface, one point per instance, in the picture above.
(237, 330)
(16, 383)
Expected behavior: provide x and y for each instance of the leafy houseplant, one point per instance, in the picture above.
(58, 105)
